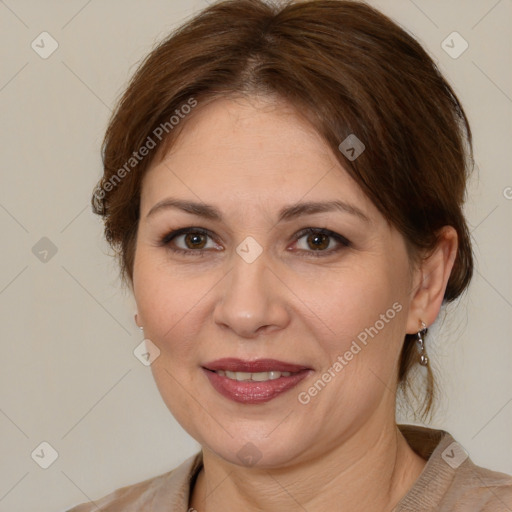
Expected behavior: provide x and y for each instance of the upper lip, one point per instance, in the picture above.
(258, 365)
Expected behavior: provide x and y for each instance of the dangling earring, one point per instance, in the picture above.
(421, 344)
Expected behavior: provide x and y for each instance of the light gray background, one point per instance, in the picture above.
(68, 375)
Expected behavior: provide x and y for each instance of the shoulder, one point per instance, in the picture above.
(129, 498)
(475, 488)
(171, 488)
(451, 481)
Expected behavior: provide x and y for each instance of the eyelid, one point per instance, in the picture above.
(322, 231)
(184, 231)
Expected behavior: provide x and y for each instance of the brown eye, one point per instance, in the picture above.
(190, 241)
(195, 240)
(318, 241)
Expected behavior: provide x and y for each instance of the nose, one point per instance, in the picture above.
(252, 300)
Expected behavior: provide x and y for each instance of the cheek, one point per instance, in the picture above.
(360, 352)
(364, 311)
(169, 303)
(170, 306)
(354, 301)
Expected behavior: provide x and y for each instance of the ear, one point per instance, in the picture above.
(430, 280)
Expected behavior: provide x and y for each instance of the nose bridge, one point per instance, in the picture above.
(249, 302)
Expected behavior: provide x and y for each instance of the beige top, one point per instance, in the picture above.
(449, 482)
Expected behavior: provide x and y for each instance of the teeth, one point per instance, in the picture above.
(241, 376)
(257, 377)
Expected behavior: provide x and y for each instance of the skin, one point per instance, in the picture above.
(249, 158)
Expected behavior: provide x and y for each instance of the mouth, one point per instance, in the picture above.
(253, 382)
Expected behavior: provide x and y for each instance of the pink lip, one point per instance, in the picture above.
(251, 392)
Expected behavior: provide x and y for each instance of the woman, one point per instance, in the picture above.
(289, 236)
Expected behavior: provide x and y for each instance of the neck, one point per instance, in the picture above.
(372, 470)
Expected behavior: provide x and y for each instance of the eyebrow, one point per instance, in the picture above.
(287, 213)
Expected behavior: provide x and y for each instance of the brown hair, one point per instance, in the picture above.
(350, 70)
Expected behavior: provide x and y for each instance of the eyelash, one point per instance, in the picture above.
(342, 241)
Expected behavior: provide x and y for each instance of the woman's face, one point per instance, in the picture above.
(248, 282)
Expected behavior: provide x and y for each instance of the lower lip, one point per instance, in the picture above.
(251, 392)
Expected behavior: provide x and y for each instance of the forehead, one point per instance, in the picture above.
(249, 150)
